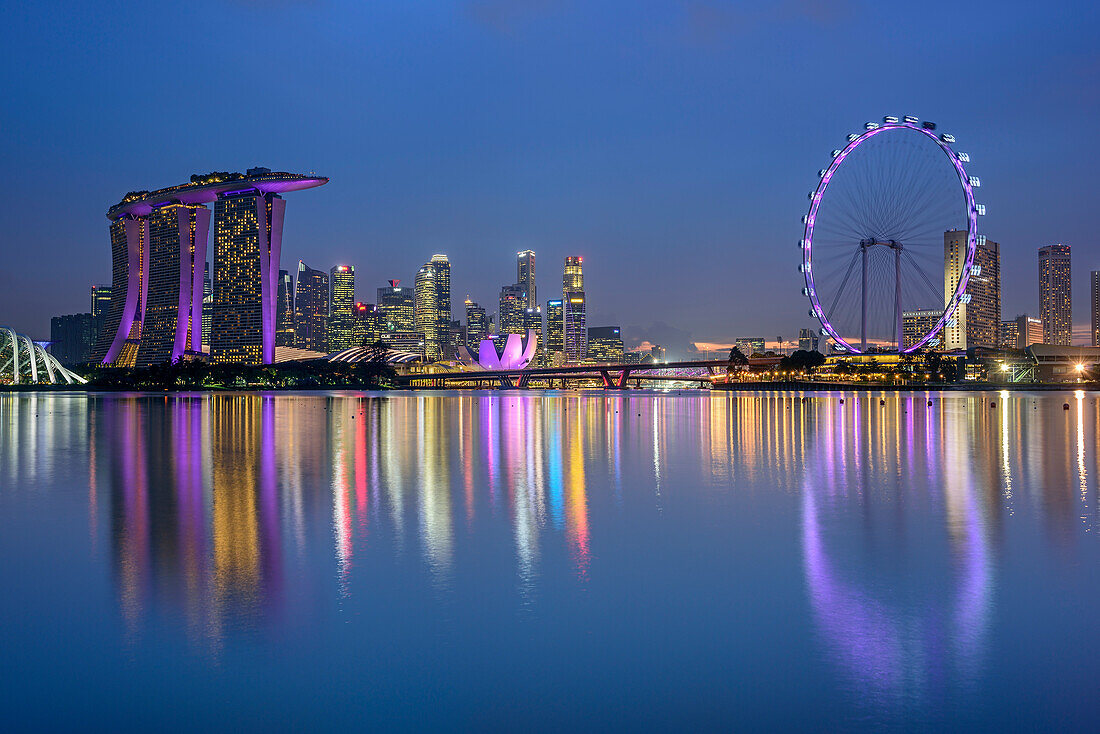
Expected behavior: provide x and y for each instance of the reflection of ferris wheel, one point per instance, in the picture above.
(874, 247)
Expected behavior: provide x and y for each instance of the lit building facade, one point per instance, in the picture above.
(1021, 332)
(101, 304)
(1055, 302)
(513, 302)
(977, 321)
(575, 331)
(477, 324)
(555, 327)
(525, 277)
(396, 308)
(750, 345)
(366, 324)
(158, 243)
(341, 308)
(284, 311)
(532, 324)
(915, 324)
(207, 307)
(311, 309)
(605, 344)
(433, 306)
(807, 340)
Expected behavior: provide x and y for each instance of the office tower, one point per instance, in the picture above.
(396, 308)
(311, 309)
(366, 325)
(807, 340)
(73, 337)
(750, 345)
(512, 305)
(605, 344)
(341, 308)
(977, 321)
(101, 300)
(532, 321)
(658, 353)
(284, 311)
(574, 312)
(1055, 305)
(555, 327)
(915, 324)
(1095, 279)
(433, 306)
(477, 325)
(456, 338)
(1021, 332)
(525, 277)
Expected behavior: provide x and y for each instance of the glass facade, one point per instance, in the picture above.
(513, 302)
(977, 323)
(433, 307)
(555, 327)
(525, 278)
(575, 330)
(477, 325)
(341, 309)
(284, 311)
(311, 309)
(605, 344)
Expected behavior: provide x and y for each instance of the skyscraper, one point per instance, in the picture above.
(366, 324)
(433, 307)
(397, 318)
(525, 277)
(477, 325)
(341, 308)
(513, 303)
(977, 320)
(575, 328)
(101, 300)
(73, 337)
(605, 344)
(915, 324)
(555, 328)
(158, 240)
(284, 311)
(1055, 305)
(532, 321)
(207, 306)
(1095, 278)
(1021, 332)
(311, 309)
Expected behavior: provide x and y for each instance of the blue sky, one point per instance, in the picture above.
(671, 144)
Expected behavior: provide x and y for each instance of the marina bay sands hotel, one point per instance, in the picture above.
(158, 255)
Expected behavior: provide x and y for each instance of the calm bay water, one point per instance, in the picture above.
(542, 560)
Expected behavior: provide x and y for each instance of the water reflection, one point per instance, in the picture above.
(212, 506)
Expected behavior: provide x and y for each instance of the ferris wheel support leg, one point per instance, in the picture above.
(897, 296)
(863, 311)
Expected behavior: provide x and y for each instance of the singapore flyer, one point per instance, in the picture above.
(880, 224)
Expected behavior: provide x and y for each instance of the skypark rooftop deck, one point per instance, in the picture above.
(204, 189)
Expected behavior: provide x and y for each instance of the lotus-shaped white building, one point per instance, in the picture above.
(516, 356)
(22, 362)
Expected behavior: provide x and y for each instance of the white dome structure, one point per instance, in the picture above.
(22, 362)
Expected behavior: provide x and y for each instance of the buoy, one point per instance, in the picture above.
(842, 401)
(882, 402)
(1065, 406)
(929, 402)
(992, 404)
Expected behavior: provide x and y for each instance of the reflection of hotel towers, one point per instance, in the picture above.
(195, 520)
(158, 254)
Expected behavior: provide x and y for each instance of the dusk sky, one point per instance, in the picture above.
(671, 144)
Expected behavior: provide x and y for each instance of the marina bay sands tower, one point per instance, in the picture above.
(158, 253)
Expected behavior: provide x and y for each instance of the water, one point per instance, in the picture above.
(542, 560)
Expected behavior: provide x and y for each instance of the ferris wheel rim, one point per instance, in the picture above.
(972, 213)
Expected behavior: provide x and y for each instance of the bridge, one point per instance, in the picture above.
(613, 376)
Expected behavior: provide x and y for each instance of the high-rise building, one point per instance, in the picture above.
(750, 345)
(1021, 332)
(605, 344)
(366, 324)
(525, 277)
(158, 241)
(513, 302)
(284, 311)
(73, 337)
(555, 327)
(977, 321)
(456, 337)
(341, 308)
(915, 324)
(101, 300)
(532, 321)
(1095, 279)
(477, 325)
(574, 311)
(433, 307)
(1055, 303)
(311, 309)
(207, 306)
(396, 308)
(807, 340)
